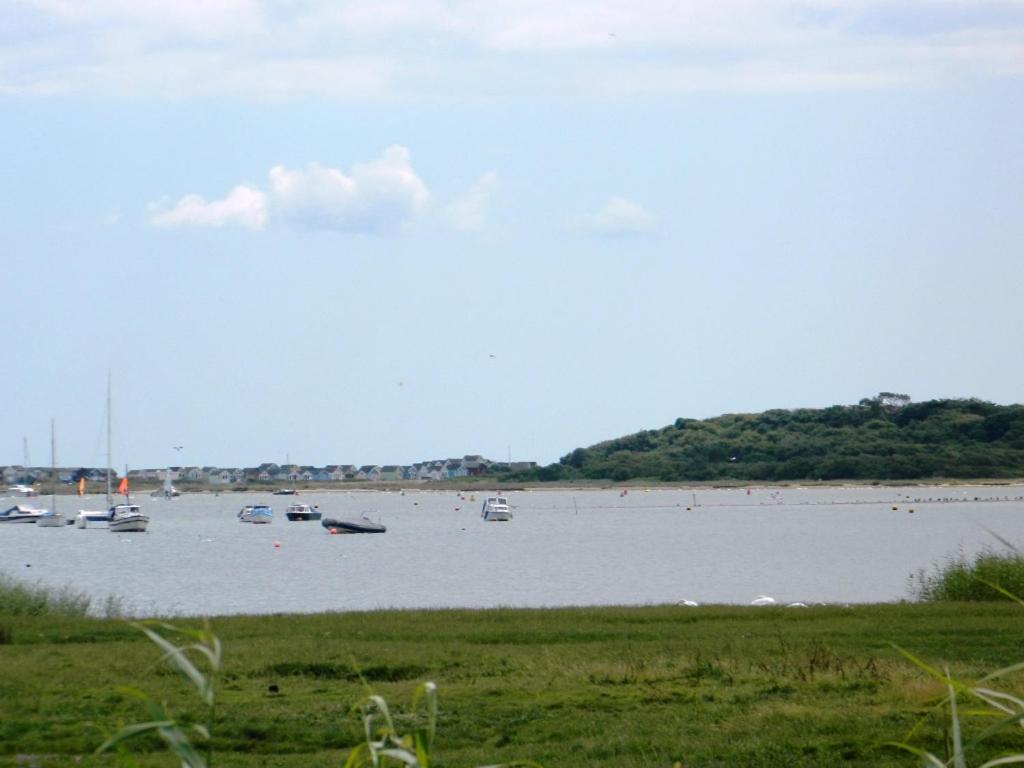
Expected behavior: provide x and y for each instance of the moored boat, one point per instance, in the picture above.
(256, 513)
(302, 512)
(167, 490)
(21, 490)
(52, 519)
(92, 518)
(352, 525)
(496, 509)
(127, 518)
(19, 513)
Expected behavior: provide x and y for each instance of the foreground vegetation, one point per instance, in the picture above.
(881, 438)
(991, 575)
(709, 686)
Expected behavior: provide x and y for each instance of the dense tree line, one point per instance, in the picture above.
(887, 437)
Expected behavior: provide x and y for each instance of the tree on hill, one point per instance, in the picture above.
(886, 437)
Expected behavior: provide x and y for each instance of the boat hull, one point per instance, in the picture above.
(296, 516)
(20, 514)
(343, 525)
(130, 524)
(497, 516)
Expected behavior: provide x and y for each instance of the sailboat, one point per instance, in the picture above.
(168, 491)
(52, 518)
(118, 517)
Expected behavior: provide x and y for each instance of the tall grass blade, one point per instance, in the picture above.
(1001, 590)
(1011, 759)
(958, 747)
(179, 659)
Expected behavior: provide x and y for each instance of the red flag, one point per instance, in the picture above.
(123, 487)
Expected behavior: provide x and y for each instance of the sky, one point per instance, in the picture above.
(382, 232)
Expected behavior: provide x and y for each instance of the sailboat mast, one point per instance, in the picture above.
(109, 460)
(53, 466)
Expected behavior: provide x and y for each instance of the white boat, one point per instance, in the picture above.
(21, 514)
(352, 525)
(127, 518)
(51, 519)
(302, 512)
(119, 518)
(496, 509)
(167, 491)
(24, 491)
(92, 518)
(256, 513)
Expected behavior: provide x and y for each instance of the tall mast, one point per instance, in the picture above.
(109, 460)
(53, 466)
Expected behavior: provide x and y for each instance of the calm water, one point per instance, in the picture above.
(563, 548)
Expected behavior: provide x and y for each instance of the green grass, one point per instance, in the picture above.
(20, 599)
(990, 576)
(714, 686)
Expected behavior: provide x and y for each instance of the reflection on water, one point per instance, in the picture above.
(566, 547)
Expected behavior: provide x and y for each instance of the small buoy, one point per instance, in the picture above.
(687, 509)
(277, 545)
(333, 531)
(894, 509)
(910, 511)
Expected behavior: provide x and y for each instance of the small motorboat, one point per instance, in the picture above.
(21, 514)
(352, 525)
(496, 509)
(285, 492)
(256, 513)
(302, 512)
(127, 518)
(92, 518)
(21, 490)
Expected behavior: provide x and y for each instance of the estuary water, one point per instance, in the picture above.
(564, 547)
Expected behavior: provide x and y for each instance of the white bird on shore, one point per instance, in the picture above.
(763, 600)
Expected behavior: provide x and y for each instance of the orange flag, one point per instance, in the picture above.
(123, 487)
(81, 486)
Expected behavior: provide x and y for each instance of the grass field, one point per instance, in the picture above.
(715, 686)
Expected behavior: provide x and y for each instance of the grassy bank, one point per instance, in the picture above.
(576, 687)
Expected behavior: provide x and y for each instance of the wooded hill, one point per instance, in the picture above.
(887, 437)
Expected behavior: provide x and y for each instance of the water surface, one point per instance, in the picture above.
(564, 547)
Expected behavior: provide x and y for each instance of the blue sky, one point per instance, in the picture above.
(386, 232)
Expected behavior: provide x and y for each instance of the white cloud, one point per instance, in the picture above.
(468, 213)
(617, 218)
(428, 49)
(376, 197)
(379, 196)
(245, 206)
